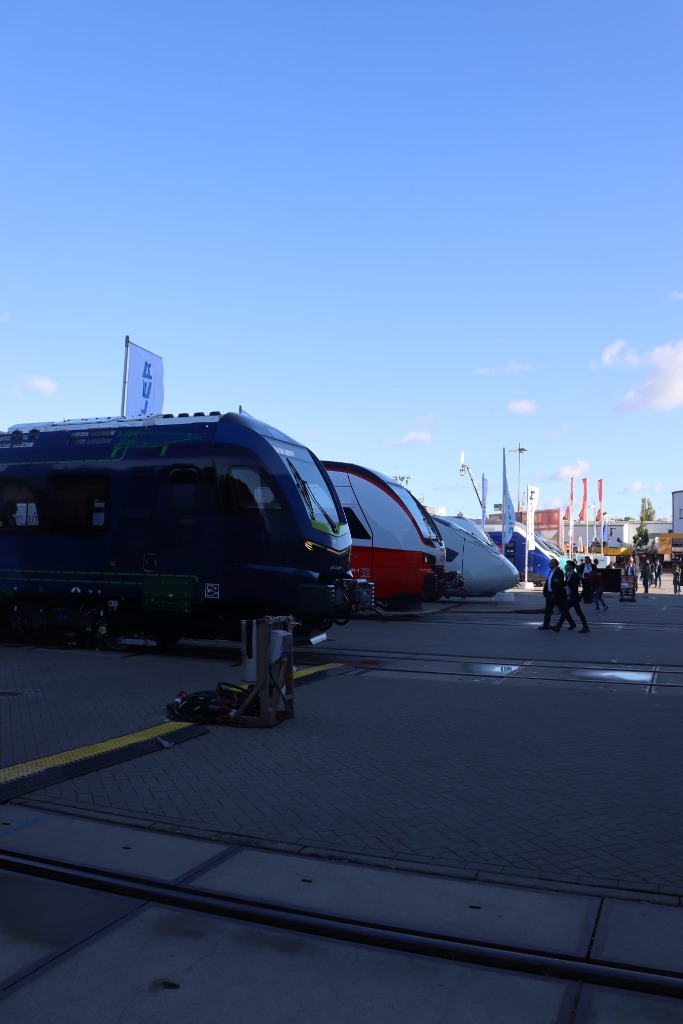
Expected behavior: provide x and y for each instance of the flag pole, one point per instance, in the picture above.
(124, 390)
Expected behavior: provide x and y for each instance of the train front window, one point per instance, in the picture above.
(419, 513)
(313, 488)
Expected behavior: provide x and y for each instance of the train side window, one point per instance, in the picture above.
(192, 491)
(18, 509)
(250, 491)
(80, 504)
(183, 491)
(358, 531)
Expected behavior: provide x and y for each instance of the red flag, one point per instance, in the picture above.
(598, 518)
(584, 505)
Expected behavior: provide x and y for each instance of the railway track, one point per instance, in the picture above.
(189, 896)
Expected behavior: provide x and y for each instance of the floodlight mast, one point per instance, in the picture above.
(466, 469)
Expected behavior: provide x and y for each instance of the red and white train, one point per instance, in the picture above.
(396, 543)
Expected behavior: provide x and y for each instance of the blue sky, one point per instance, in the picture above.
(394, 230)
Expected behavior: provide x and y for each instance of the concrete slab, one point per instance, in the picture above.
(170, 967)
(525, 918)
(669, 679)
(39, 918)
(640, 934)
(611, 1006)
(104, 847)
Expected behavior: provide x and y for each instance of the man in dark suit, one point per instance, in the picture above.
(554, 593)
(572, 583)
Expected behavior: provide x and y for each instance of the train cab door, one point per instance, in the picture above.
(258, 537)
(189, 507)
(362, 550)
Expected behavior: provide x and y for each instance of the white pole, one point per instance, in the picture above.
(124, 390)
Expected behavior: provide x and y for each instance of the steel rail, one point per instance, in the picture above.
(372, 933)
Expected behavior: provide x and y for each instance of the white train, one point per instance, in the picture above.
(471, 553)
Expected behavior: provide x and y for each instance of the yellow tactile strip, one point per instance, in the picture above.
(65, 757)
(301, 673)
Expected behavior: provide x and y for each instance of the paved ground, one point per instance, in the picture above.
(463, 742)
(525, 782)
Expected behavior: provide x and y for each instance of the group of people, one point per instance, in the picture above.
(649, 572)
(562, 590)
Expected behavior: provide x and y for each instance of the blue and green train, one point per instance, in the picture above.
(167, 527)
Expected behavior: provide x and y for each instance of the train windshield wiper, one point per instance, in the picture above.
(309, 497)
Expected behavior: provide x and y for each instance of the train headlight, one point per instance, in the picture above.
(311, 546)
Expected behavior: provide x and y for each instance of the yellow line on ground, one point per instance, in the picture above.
(317, 668)
(20, 771)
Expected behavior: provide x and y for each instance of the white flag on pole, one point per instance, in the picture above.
(531, 503)
(145, 387)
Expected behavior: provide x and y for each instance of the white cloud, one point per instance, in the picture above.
(662, 389)
(634, 488)
(521, 407)
(510, 367)
(557, 434)
(619, 354)
(43, 385)
(416, 437)
(581, 469)
(419, 434)
(676, 296)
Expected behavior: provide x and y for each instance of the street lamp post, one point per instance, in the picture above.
(594, 544)
(519, 450)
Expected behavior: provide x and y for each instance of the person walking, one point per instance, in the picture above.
(658, 574)
(645, 575)
(631, 570)
(676, 571)
(585, 572)
(554, 592)
(598, 585)
(572, 583)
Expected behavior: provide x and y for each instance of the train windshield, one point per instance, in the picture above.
(476, 531)
(420, 514)
(550, 546)
(312, 485)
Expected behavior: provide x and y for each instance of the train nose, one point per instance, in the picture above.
(510, 573)
(501, 575)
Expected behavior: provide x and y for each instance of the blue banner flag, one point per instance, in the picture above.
(509, 516)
